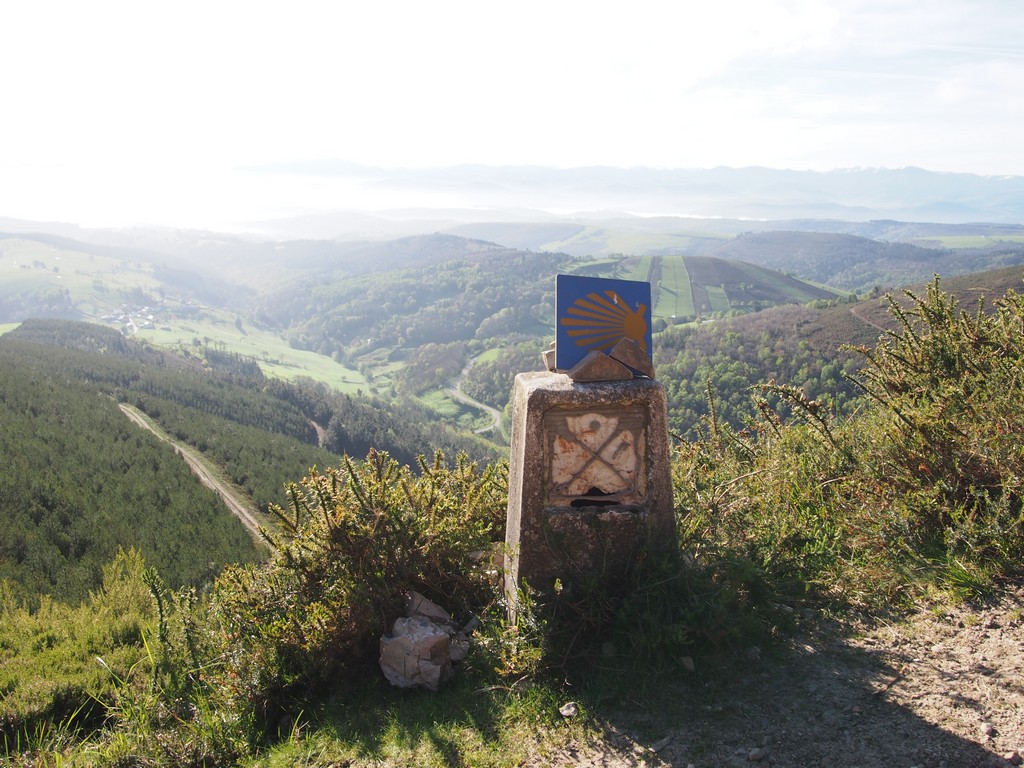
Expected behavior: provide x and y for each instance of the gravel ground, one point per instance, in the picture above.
(940, 689)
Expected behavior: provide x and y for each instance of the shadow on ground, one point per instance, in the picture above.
(943, 689)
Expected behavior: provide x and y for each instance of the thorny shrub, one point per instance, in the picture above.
(923, 483)
(351, 541)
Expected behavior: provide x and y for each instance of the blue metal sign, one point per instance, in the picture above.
(596, 313)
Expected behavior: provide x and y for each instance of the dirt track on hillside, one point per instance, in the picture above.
(943, 689)
(238, 505)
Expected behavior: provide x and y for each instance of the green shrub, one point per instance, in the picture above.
(355, 538)
(923, 482)
(947, 456)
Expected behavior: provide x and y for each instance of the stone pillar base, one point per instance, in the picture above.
(590, 489)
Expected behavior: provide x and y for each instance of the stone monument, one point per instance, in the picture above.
(590, 490)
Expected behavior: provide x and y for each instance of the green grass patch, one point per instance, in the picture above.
(674, 296)
(59, 662)
(640, 269)
(489, 356)
(460, 725)
(718, 298)
(273, 353)
(441, 404)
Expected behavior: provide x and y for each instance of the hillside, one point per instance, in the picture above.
(800, 345)
(398, 319)
(859, 264)
(402, 319)
(80, 479)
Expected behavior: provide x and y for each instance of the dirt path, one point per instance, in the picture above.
(240, 506)
(943, 689)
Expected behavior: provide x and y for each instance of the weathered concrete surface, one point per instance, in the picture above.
(589, 484)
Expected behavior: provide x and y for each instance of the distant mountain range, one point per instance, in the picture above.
(474, 193)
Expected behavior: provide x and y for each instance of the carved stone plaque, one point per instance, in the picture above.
(594, 457)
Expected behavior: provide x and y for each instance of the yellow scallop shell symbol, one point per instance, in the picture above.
(601, 321)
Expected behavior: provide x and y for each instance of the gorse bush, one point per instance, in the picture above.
(923, 482)
(949, 444)
(351, 542)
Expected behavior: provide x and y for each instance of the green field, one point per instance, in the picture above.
(273, 353)
(489, 356)
(97, 284)
(452, 411)
(718, 298)
(124, 293)
(674, 297)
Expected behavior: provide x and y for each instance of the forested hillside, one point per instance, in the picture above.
(810, 347)
(79, 480)
(859, 264)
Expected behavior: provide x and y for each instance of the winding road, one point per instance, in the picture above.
(455, 392)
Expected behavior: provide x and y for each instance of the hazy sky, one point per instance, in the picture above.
(149, 111)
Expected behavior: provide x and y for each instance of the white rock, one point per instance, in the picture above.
(416, 654)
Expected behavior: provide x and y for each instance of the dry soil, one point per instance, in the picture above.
(944, 687)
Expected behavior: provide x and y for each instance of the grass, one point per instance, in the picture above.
(717, 298)
(460, 725)
(488, 356)
(438, 402)
(273, 353)
(674, 297)
(466, 417)
(641, 268)
(98, 284)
